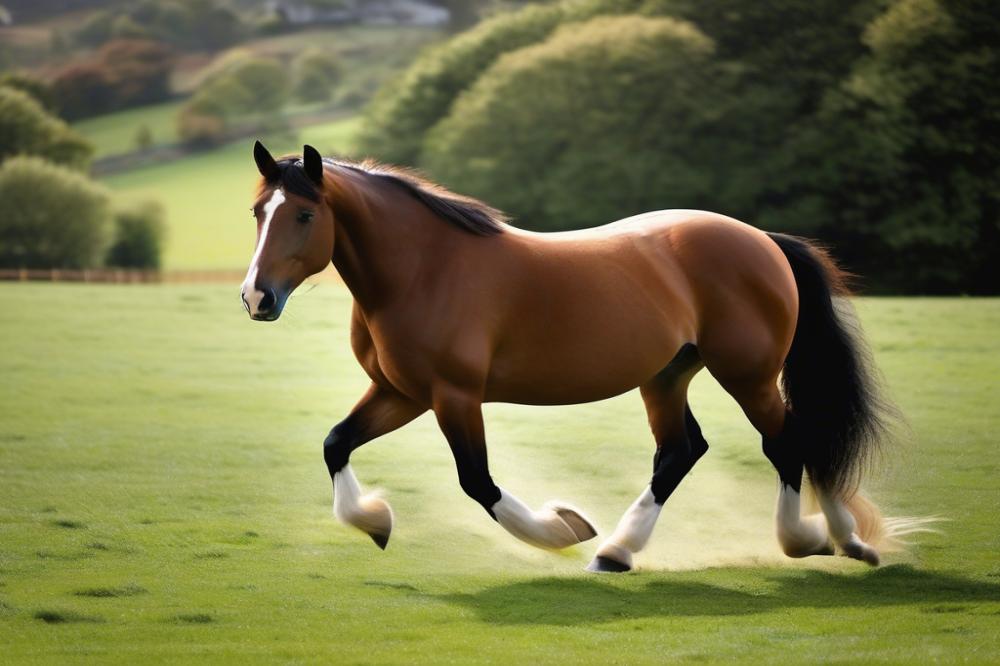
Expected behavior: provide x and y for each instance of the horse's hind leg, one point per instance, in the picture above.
(679, 445)
(798, 535)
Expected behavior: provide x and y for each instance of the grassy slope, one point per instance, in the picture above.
(207, 196)
(115, 133)
(162, 494)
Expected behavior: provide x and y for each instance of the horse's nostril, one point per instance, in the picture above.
(267, 302)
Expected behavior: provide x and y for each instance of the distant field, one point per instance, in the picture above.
(208, 195)
(115, 133)
(163, 499)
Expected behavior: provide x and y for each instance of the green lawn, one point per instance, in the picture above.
(207, 196)
(115, 133)
(163, 498)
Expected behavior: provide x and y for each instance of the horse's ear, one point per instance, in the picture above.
(265, 163)
(313, 164)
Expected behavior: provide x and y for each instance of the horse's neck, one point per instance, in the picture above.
(381, 243)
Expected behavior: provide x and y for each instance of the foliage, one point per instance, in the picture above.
(138, 237)
(187, 24)
(122, 74)
(241, 88)
(316, 75)
(406, 109)
(37, 88)
(52, 217)
(907, 191)
(26, 128)
(538, 109)
(869, 125)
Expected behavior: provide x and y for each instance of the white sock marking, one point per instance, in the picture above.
(543, 528)
(636, 524)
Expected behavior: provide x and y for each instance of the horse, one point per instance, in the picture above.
(454, 307)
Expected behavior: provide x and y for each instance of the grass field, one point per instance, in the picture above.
(115, 133)
(207, 196)
(163, 498)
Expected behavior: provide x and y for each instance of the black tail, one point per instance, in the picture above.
(828, 378)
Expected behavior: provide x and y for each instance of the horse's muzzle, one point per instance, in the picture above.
(263, 303)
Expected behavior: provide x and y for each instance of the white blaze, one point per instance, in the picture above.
(250, 292)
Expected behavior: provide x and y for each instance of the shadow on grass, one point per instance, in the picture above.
(570, 601)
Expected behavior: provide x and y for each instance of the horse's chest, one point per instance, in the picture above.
(388, 361)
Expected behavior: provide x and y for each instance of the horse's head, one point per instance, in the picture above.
(294, 230)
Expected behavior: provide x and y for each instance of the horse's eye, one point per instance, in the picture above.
(305, 216)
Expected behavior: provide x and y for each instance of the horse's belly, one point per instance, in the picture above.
(581, 367)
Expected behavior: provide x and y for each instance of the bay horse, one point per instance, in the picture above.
(454, 307)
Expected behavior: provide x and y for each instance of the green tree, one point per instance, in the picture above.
(26, 128)
(241, 89)
(559, 134)
(316, 75)
(899, 168)
(53, 217)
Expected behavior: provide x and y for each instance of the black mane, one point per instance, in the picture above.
(466, 213)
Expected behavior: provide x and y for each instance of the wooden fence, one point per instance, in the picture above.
(115, 275)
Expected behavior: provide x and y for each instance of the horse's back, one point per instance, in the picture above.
(596, 312)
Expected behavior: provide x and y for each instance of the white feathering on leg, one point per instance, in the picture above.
(368, 513)
(799, 535)
(544, 528)
(636, 524)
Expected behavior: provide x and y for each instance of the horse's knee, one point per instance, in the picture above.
(337, 448)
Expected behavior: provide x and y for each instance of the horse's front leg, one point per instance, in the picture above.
(379, 411)
(555, 525)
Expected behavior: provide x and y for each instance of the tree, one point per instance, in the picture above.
(53, 217)
(122, 74)
(899, 168)
(560, 134)
(242, 88)
(27, 128)
(316, 74)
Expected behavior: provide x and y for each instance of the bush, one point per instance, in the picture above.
(317, 74)
(138, 237)
(124, 73)
(37, 88)
(241, 88)
(52, 217)
(28, 129)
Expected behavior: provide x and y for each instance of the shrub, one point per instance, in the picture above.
(52, 217)
(240, 89)
(28, 129)
(138, 237)
(37, 88)
(317, 74)
(123, 73)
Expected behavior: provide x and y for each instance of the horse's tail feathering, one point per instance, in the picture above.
(829, 385)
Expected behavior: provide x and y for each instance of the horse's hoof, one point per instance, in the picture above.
(381, 540)
(859, 550)
(602, 564)
(370, 514)
(582, 528)
(611, 558)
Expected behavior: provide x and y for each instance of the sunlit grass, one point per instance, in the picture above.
(163, 498)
